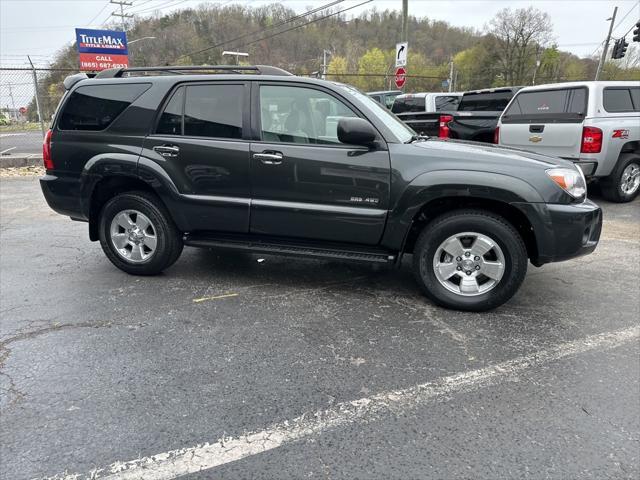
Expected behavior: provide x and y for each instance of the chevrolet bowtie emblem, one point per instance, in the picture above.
(535, 139)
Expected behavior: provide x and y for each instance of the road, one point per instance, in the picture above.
(250, 367)
(21, 141)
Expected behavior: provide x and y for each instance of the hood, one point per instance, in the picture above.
(489, 153)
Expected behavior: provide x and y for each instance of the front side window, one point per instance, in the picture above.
(300, 115)
(213, 111)
(95, 107)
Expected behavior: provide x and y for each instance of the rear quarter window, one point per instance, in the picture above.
(447, 103)
(616, 100)
(95, 107)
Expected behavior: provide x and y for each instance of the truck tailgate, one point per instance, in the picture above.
(557, 139)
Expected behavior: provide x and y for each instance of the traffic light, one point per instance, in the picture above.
(619, 48)
(636, 32)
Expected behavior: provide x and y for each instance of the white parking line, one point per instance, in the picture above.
(176, 463)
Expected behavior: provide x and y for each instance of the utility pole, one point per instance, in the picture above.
(451, 75)
(122, 15)
(37, 96)
(405, 20)
(606, 44)
(324, 63)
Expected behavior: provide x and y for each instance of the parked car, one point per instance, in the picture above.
(594, 124)
(263, 161)
(385, 97)
(426, 102)
(411, 107)
(475, 117)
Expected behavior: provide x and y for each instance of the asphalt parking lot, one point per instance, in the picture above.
(250, 367)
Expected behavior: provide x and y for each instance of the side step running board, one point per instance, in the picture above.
(286, 248)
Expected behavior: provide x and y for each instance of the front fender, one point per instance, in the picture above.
(467, 184)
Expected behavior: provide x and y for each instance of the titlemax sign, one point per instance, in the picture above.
(101, 49)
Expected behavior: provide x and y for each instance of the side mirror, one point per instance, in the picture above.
(356, 131)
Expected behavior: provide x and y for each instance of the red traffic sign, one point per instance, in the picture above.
(400, 77)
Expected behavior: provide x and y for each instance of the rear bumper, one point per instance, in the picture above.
(62, 193)
(563, 232)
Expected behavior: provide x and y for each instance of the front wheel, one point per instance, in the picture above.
(469, 260)
(138, 235)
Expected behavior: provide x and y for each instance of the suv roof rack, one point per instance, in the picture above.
(184, 69)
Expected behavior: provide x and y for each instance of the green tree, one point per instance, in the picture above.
(337, 68)
(373, 68)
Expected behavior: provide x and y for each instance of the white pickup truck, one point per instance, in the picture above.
(594, 124)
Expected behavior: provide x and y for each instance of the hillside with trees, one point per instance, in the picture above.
(513, 49)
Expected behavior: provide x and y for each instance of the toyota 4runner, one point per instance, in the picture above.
(255, 159)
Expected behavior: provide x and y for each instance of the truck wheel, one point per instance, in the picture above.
(469, 260)
(623, 184)
(138, 235)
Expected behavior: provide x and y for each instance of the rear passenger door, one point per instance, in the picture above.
(200, 141)
(546, 121)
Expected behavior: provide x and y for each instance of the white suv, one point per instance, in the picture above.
(594, 124)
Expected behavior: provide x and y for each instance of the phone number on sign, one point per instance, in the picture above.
(101, 65)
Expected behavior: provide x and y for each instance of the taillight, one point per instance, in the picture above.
(46, 151)
(496, 136)
(443, 131)
(591, 140)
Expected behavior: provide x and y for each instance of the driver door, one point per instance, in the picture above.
(305, 183)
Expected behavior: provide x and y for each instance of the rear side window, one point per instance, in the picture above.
(485, 101)
(213, 111)
(447, 103)
(408, 104)
(563, 105)
(95, 107)
(171, 118)
(621, 99)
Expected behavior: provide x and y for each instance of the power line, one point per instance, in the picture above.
(90, 22)
(284, 22)
(625, 16)
(307, 23)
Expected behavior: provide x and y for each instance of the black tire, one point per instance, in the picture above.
(481, 222)
(611, 186)
(169, 240)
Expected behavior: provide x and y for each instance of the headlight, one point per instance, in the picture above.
(570, 180)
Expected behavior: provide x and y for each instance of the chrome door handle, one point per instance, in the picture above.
(167, 150)
(273, 158)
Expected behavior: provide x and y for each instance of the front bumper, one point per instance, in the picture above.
(563, 232)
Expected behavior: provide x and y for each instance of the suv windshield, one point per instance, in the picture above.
(399, 129)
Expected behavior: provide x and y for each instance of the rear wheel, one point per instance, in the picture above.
(138, 235)
(469, 260)
(623, 185)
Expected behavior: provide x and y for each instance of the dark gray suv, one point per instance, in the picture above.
(253, 158)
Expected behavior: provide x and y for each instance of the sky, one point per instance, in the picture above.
(40, 27)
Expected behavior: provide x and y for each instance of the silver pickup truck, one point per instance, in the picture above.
(594, 124)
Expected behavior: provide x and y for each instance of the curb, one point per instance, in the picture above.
(29, 160)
